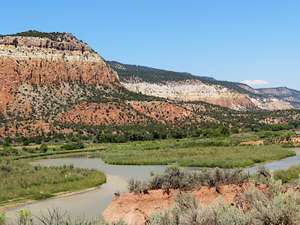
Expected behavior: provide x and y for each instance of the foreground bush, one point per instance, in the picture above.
(176, 178)
(288, 175)
(271, 208)
(269, 204)
(2, 218)
(53, 217)
(188, 211)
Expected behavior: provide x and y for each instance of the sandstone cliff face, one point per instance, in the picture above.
(272, 104)
(193, 90)
(186, 87)
(46, 62)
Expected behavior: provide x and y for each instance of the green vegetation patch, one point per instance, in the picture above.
(21, 181)
(192, 152)
(177, 178)
(42, 150)
(288, 175)
(73, 146)
(34, 33)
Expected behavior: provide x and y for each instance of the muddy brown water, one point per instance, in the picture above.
(92, 203)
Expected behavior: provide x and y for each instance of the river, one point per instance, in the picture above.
(92, 203)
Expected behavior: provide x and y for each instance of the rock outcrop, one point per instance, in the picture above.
(188, 88)
(111, 113)
(163, 111)
(41, 61)
(131, 112)
(136, 209)
(193, 90)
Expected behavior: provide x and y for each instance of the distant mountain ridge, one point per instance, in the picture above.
(162, 83)
(283, 93)
(152, 74)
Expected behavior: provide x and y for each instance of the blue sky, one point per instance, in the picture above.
(233, 40)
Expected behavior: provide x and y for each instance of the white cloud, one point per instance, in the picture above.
(255, 82)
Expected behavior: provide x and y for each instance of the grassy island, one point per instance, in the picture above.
(221, 153)
(21, 181)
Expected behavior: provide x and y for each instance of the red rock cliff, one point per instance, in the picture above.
(49, 61)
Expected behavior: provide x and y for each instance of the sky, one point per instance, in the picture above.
(254, 41)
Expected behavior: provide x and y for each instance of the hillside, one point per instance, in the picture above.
(55, 85)
(30, 64)
(187, 87)
(283, 93)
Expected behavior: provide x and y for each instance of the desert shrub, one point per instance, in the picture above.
(2, 218)
(273, 207)
(188, 210)
(26, 142)
(73, 146)
(288, 175)
(220, 213)
(137, 186)
(56, 217)
(7, 142)
(43, 148)
(262, 176)
(176, 178)
(25, 217)
(171, 178)
(217, 176)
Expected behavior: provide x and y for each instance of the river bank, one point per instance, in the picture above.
(22, 182)
(94, 202)
(5, 207)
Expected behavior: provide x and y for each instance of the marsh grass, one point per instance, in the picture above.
(192, 153)
(288, 175)
(33, 151)
(224, 152)
(21, 181)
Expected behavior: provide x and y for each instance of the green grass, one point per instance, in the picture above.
(33, 151)
(217, 152)
(288, 175)
(174, 143)
(56, 153)
(17, 151)
(20, 181)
